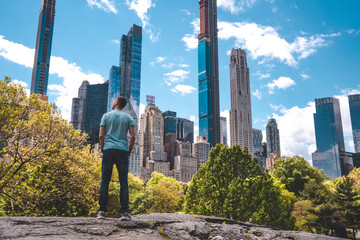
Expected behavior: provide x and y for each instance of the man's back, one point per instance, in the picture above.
(117, 125)
(339, 228)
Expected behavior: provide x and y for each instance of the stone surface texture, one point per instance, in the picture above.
(145, 226)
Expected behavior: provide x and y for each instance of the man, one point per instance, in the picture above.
(337, 229)
(114, 127)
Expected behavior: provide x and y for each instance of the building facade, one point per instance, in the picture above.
(185, 166)
(151, 132)
(259, 148)
(329, 137)
(208, 73)
(201, 149)
(78, 107)
(223, 131)
(184, 130)
(272, 137)
(354, 104)
(169, 122)
(40, 74)
(114, 86)
(240, 113)
(95, 107)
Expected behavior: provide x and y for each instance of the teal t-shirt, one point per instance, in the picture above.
(117, 124)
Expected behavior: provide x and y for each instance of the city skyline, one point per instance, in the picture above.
(291, 47)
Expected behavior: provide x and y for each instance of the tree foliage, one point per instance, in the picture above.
(295, 172)
(46, 168)
(231, 184)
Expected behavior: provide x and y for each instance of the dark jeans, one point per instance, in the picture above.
(121, 159)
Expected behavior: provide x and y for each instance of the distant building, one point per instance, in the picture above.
(329, 137)
(208, 69)
(240, 113)
(354, 104)
(201, 149)
(185, 166)
(270, 160)
(157, 161)
(95, 107)
(356, 160)
(114, 86)
(78, 107)
(170, 147)
(258, 148)
(40, 74)
(223, 131)
(272, 137)
(184, 130)
(151, 131)
(169, 121)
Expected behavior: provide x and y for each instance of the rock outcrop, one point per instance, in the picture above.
(146, 226)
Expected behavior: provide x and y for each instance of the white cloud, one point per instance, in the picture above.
(70, 73)
(350, 31)
(280, 83)
(168, 65)
(191, 40)
(262, 76)
(115, 41)
(184, 65)
(187, 12)
(106, 5)
(183, 89)
(226, 114)
(257, 94)
(265, 41)
(235, 6)
(141, 8)
(176, 76)
(157, 60)
(304, 76)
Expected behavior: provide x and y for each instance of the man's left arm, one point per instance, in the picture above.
(102, 137)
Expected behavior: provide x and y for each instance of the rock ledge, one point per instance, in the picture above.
(146, 226)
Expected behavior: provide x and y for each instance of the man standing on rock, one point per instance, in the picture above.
(114, 127)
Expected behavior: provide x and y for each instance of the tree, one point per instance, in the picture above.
(348, 204)
(231, 184)
(303, 216)
(295, 172)
(46, 166)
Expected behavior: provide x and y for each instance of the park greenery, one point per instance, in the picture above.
(47, 168)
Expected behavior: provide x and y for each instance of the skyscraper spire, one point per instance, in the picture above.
(209, 106)
(40, 74)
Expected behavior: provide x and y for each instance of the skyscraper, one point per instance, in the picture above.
(354, 104)
(169, 122)
(208, 73)
(329, 137)
(272, 137)
(78, 107)
(259, 148)
(184, 130)
(95, 107)
(223, 130)
(125, 80)
(151, 132)
(240, 114)
(40, 74)
(200, 149)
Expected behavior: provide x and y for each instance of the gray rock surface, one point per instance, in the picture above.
(146, 226)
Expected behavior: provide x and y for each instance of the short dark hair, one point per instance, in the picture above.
(121, 102)
(336, 218)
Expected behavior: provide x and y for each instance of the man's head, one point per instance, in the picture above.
(335, 218)
(119, 103)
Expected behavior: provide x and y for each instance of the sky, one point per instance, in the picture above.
(297, 50)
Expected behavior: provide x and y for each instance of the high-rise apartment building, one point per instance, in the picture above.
(257, 141)
(95, 107)
(241, 132)
(272, 137)
(151, 132)
(329, 137)
(40, 74)
(223, 130)
(125, 80)
(354, 104)
(208, 73)
(78, 107)
(185, 165)
(184, 130)
(201, 149)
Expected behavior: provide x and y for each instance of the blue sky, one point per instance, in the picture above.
(296, 50)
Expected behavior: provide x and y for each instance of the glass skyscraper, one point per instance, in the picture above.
(208, 73)
(125, 80)
(272, 137)
(40, 74)
(329, 137)
(185, 130)
(354, 104)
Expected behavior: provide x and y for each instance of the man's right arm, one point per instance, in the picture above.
(132, 139)
(102, 137)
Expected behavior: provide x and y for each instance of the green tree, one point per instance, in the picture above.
(295, 172)
(347, 200)
(231, 184)
(304, 218)
(46, 168)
